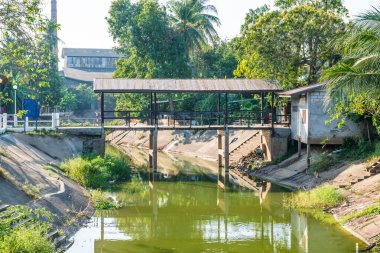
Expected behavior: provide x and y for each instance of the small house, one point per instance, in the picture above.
(309, 117)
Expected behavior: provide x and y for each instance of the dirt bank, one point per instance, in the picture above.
(29, 177)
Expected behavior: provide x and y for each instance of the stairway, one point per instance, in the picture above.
(244, 149)
(370, 171)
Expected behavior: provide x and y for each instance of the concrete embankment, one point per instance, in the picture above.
(360, 189)
(30, 177)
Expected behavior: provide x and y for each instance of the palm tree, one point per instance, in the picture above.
(357, 76)
(195, 19)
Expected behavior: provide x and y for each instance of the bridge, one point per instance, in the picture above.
(155, 118)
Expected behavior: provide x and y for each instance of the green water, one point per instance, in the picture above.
(199, 217)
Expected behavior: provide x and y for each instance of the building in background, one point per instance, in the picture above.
(83, 65)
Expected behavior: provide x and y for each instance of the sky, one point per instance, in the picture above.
(83, 21)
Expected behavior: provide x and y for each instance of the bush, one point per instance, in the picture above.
(101, 201)
(323, 163)
(321, 197)
(96, 172)
(30, 237)
(27, 240)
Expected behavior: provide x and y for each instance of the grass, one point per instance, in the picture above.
(369, 211)
(44, 132)
(31, 190)
(360, 149)
(50, 168)
(323, 163)
(318, 198)
(101, 201)
(376, 249)
(27, 240)
(30, 237)
(97, 172)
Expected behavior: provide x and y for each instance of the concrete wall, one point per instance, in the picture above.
(315, 128)
(275, 144)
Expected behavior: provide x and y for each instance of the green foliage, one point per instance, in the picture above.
(354, 81)
(369, 211)
(324, 162)
(78, 99)
(289, 44)
(96, 172)
(359, 149)
(195, 20)
(101, 201)
(321, 197)
(27, 55)
(216, 61)
(27, 240)
(151, 48)
(30, 237)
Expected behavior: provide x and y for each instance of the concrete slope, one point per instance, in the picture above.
(23, 161)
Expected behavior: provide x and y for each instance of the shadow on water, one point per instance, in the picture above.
(187, 212)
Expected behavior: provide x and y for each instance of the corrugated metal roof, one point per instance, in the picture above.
(184, 85)
(85, 76)
(89, 52)
(302, 90)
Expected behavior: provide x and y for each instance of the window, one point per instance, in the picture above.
(304, 116)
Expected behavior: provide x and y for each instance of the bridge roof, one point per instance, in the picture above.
(185, 86)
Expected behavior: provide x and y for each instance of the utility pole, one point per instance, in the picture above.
(54, 20)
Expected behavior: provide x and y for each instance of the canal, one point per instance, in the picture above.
(190, 214)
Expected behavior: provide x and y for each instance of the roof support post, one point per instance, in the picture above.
(273, 111)
(219, 105)
(102, 108)
(226, 111)
(151, 110)
(226, 157)
(155, 110)
(262, 108)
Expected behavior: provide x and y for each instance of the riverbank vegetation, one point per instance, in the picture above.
(99, 174)
(27, 237)
(369, 211)
(96, 172)
(319, 198)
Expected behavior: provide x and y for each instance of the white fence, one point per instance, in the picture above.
(10, 122)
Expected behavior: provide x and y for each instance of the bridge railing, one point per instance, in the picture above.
(196, 118)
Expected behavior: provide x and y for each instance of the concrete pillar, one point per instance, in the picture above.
(308, 155)
(152, 154)
(15, 120)
(26, 122)
(53, 121)
(299, 146)
(5, 121)
(220, 155)
(102, 144)
(223, 154)
(226, 157)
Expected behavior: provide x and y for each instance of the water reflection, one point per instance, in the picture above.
(199, 217)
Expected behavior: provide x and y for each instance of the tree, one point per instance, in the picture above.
(215, 61)
(355, 81)
(289, 44)
(26, 55)
(149, 46)
(195, 20)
